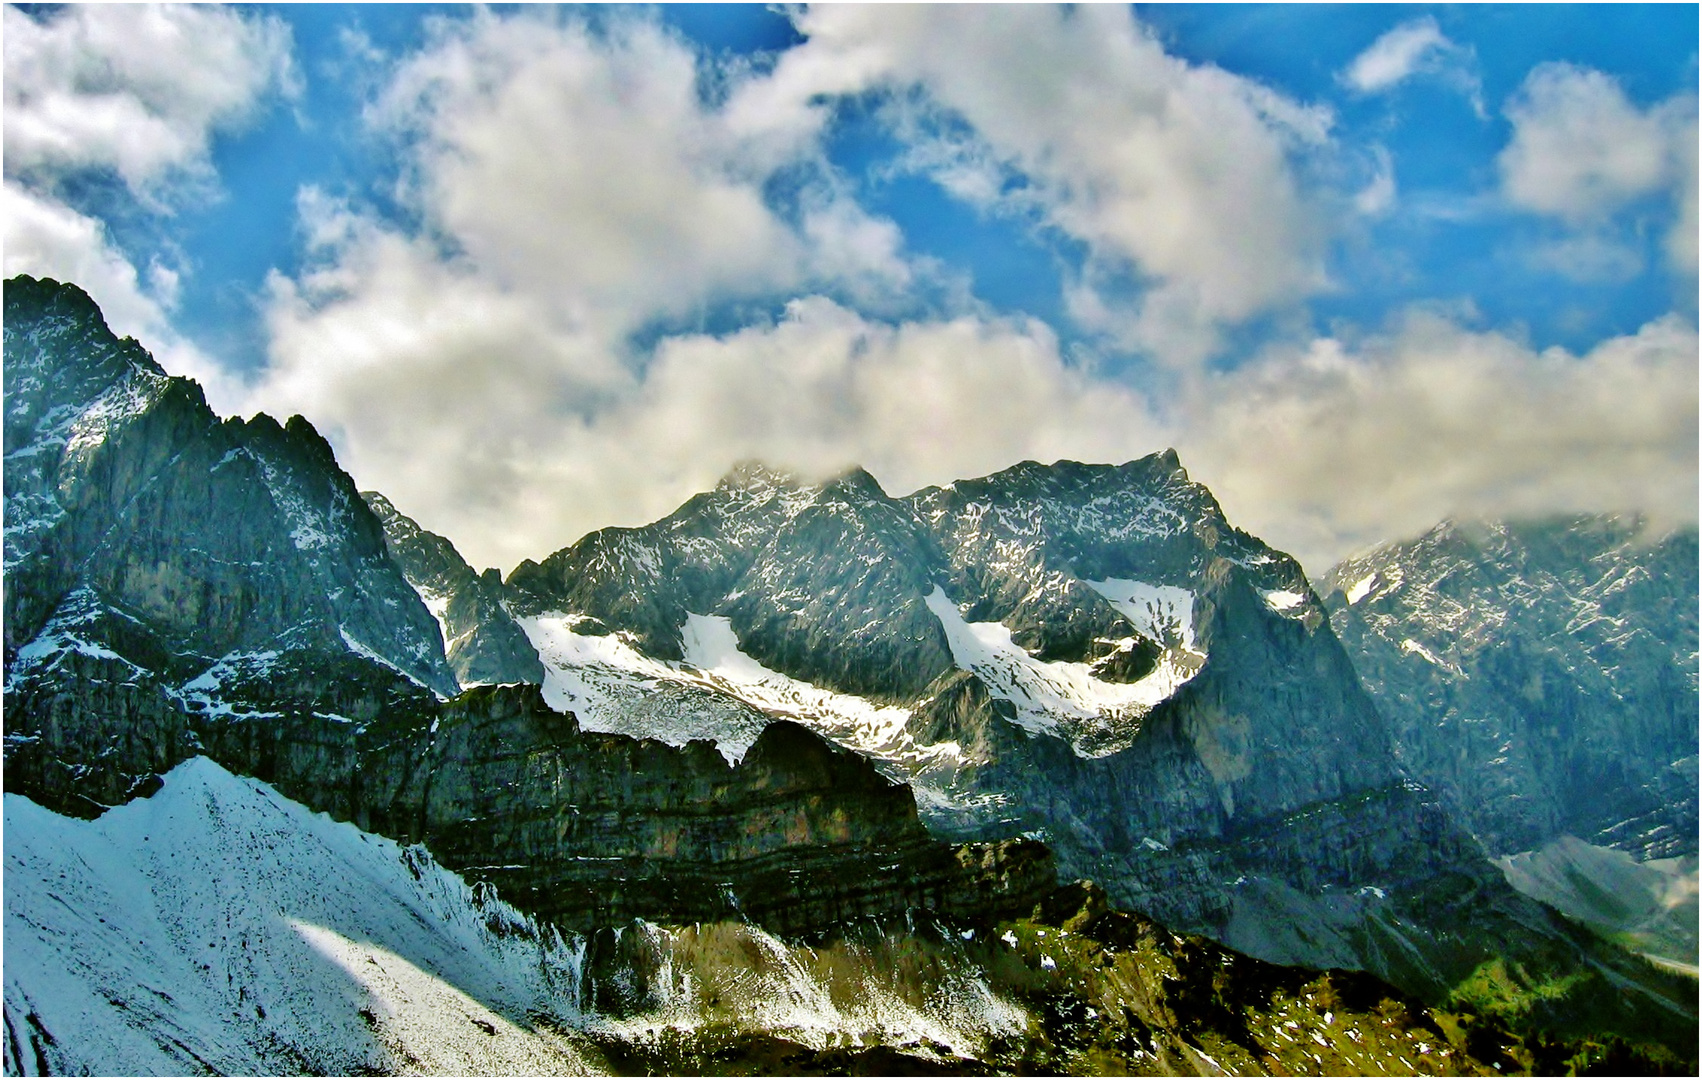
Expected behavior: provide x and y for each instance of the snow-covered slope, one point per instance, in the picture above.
(1061, 697)
(220, 927)
(217, 927)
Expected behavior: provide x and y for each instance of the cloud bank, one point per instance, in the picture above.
(134, 92)
(625, 264)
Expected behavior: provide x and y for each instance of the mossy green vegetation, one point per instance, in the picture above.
(1075, 988)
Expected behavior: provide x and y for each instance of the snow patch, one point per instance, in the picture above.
(720, 693)
(1281, 600)
(1164, 613)
(1050, 693)
(611, 686)
(359, 648)
(713, 649)
(438, 605)
(1358, 590)
(1408, 645)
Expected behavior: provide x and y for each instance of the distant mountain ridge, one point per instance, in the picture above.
(1541, 675)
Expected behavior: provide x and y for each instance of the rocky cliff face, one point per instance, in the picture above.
(142, 530)
(797, 569)
(190, 587)
(738, 701)
(1541, 676)
(481, 640)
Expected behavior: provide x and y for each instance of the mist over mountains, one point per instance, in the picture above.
(792, 709)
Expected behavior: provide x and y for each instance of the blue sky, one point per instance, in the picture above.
(536, 270)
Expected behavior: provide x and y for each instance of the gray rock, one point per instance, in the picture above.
(482, 642)
(202, 539)
(1540, 675)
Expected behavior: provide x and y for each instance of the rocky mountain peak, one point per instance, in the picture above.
(61, 358)
(854, 482)
(753, 476)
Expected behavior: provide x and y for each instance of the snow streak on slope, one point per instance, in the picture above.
(712, 648)
(220, 927)
(1060, 697)
(611, 686)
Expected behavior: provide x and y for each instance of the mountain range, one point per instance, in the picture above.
(806, 712)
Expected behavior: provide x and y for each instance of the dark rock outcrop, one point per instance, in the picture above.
(481, 640)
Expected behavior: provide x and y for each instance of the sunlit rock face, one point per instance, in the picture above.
(1540, 675)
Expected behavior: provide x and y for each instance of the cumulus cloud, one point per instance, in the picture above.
(1582, 150)
(1414, 48)
(1180, 179)
(1337, 445)
(45, 238)
(585, 164)
(133, 88)
(575, 187)
(138, 92)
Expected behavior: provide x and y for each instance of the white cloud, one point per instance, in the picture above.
(138, 90)
(134, 88)
(1590, 256)
(1180, 176)
(45, 238)
(585, 166)
(1415, 48)
(1682, 237)
(1378, 195)
(481, 424)
(1397, 55)
(915, 402)
(1582, 150)
(1331, 447)
(576, 187)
